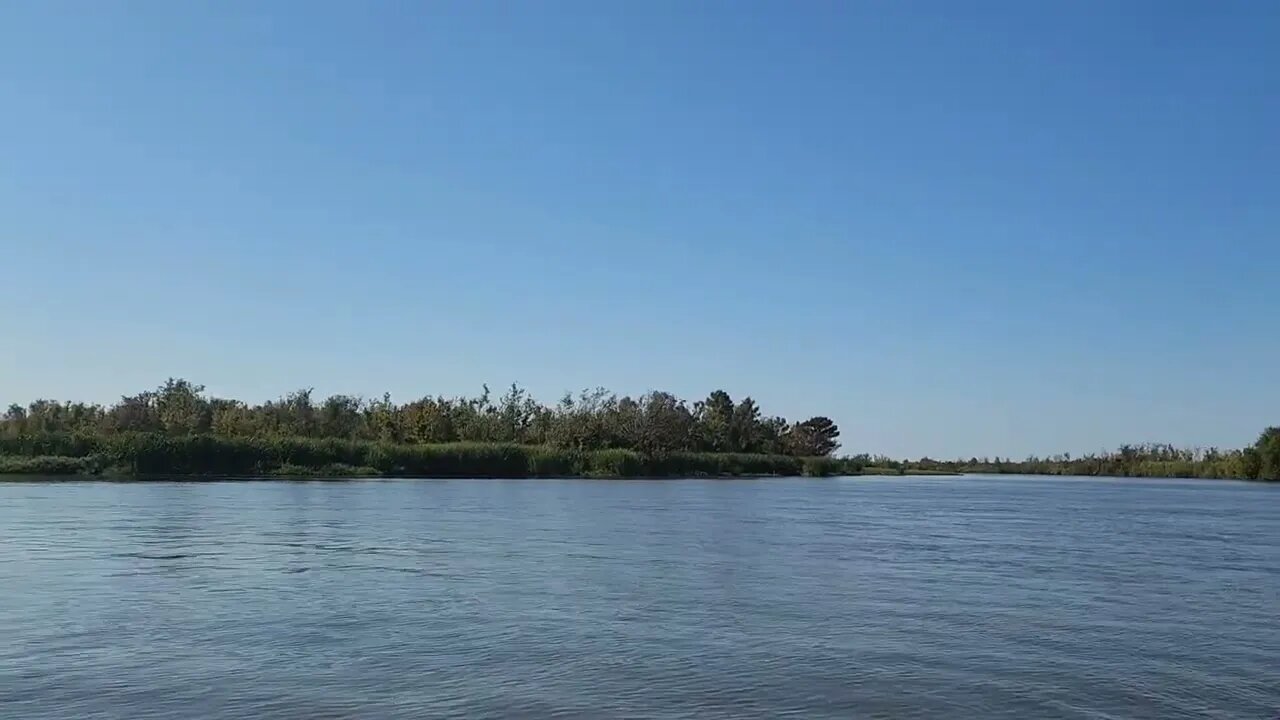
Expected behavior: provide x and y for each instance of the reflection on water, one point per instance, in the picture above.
(901, 598)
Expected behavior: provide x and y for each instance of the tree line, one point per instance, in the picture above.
(1260, 461)
(653, 424)
(178, 428)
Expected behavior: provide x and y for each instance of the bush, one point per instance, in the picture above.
(695, 464)
(544, 461)
(48, 465)
(615, 463)
(332, 470)
(821, 467)
(48, 444)
(881, 470)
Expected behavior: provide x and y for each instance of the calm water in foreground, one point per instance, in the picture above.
(893, 598)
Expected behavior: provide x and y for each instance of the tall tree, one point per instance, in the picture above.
(181, 409)
(666, 423)
(816, 436)
(1268, 449)
(136, 413)
(715, 421)
(773, 436)
(339, 417)
(745, 434)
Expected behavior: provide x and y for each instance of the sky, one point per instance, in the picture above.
(956, 228)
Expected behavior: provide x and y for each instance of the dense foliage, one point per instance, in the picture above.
(177, 428)
(657, 422)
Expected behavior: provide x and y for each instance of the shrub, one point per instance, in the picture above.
(615, 463)
(820, 467)
(48, 465)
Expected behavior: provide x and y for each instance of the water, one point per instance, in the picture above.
(866, 598)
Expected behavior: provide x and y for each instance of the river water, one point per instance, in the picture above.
(848, 598)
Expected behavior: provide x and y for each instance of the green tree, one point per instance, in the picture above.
(429, 420)
(339, 417)
(15, 420)
(715, 422)
(181, 409)
(515, 414)
(666, 424)
(383, 420)
(816, 436)
(774, 435)
(1268, 451)
(232, 418)
(744, 427)
(135, 413)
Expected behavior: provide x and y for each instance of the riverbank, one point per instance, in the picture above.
(142, 454)
(133, 455)
(874, 470)
(46, 469)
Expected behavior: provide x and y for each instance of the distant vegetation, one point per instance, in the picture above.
(178, 429)
(1261, 461)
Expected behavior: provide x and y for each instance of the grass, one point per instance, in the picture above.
(873, 470)
(332, 470)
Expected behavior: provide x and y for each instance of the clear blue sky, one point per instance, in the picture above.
(956, 227)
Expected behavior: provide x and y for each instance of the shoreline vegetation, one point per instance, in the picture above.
(177, 429)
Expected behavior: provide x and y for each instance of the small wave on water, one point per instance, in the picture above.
(156, 556)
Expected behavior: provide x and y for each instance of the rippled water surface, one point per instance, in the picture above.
(893, 598)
